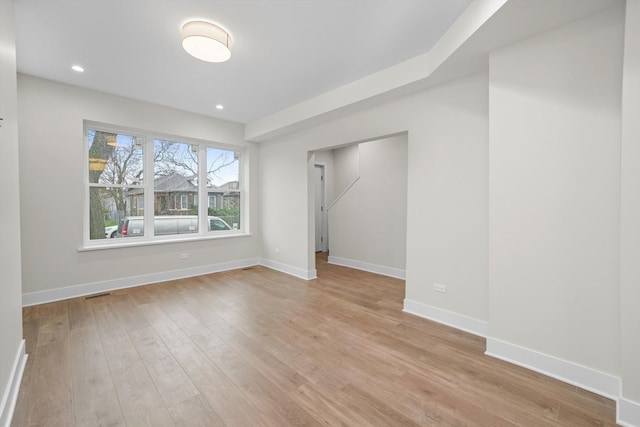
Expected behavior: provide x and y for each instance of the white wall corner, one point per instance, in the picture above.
(289, 269)
(628, 413)
(365, 266)
(10, 396)
(601, 383)
(41, 297)
(449, 318)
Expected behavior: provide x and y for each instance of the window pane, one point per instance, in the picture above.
(114, 158)
(175, 187)
(223, 187)
(111, 207)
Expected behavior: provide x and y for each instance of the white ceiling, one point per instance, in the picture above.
(283, 51)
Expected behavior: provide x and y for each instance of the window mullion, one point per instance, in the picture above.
(203, 203)
(148, 174)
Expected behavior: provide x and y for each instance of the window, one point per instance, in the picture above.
(193, 189)
(115, 166)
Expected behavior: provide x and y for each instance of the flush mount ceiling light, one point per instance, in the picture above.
(206, 41)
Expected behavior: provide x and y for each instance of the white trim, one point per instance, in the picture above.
(10, 396)
(581, 376)
(100, 244)
(628, 413)
(371, 268)
(51, 295)
(449, 318)
(289, 269)
(41, 297)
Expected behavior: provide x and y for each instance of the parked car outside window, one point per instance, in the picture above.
(111, 231)
(133, 226)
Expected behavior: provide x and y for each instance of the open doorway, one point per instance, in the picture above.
(322, 238)
(358, 205)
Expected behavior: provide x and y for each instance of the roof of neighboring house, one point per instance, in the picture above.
(227, 186)
(176, 182)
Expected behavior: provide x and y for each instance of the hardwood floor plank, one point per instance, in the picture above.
(165, 327)
(195, 412)
(570, 416)
(50, 396)
(54, 324)
(270, 400)
(374, 411)
(255, 347)
(31, 320)
(227, 400)
(139, 399)
(197, 332)
(170, 379)
(21, 411)
(112, 332)
(95, 402)
(129, 314)
(80, 314)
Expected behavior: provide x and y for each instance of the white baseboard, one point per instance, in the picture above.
(10, 396)
(603, 384)
(581, 376)
(371, 268)
(41, 297)
(449, 318)
(628, 413)
(285, 268)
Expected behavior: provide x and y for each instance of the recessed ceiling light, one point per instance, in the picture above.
(77, 68)
(220, 106)
(206, 41)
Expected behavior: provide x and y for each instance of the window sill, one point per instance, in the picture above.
(135, 242)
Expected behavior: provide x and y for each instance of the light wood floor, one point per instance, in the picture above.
(256, 347)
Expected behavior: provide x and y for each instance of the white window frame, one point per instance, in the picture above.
(148, 186)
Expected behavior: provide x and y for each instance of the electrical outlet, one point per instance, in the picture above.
(277, 250)
(439, 287)
(184, 255)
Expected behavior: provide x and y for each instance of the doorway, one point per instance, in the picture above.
(322, 238)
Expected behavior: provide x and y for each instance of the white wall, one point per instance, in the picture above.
(368, 224)
(52, 191)
(514, 201)
(10, 283)
(347, 168)
(630, 227)
(555, 192)
(447, 236)
(446, 198)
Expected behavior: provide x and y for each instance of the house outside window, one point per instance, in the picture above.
(119, 165)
